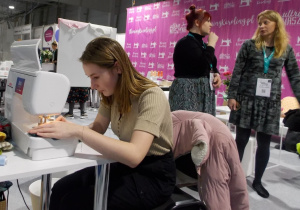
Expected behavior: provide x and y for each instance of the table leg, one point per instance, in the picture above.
(280, 146)
(101, 186)
(45, 191)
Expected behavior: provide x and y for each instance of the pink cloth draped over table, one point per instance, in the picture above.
(72, 23)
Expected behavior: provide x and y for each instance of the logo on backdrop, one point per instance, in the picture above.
(245, 3)
(161, 55)
(170, 55)
(128, 45)
(170, 66)
(138, 18)
(134, 64)
(160, 66)
(263, 2)
(130, 10)
(153, 45)
(165, 14)
(128, 54)
(177, 28)
(175, 13)
(223, 56)
(147, 8)
(146, 17)
(298, 56)
(162, 44)
(229, 5)
(130, 20)
(139, 9)
(186, 11)
(298, 41)
(223, 69)
(151, 65)
(291, 17)
(156, 6)
(239, 42)
(152, 55)
(188, 1)
(143, 54)
(214, 7)
(166, 4)
(48, 34)
(155, 16)
(172, 44)
(142, 65)
(176, 2)
(283, 0)
(135, 55)
(225, 42)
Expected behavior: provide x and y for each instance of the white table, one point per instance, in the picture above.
(223, 109)
(20, 166)
(48, 66)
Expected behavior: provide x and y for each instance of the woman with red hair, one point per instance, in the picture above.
(195, 63)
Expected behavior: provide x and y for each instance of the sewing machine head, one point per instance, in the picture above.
(32, 96)
(31, 90)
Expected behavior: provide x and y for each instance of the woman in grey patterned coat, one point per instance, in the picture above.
(255, 88)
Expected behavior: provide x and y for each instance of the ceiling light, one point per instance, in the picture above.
(11, 7)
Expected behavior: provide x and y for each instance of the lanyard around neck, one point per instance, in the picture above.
(267, 60)
(203, 46)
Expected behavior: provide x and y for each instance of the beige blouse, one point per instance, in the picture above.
(150, 112)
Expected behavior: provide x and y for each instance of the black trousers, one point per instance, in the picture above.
(145, 187)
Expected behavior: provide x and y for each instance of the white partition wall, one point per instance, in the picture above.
(73, 38)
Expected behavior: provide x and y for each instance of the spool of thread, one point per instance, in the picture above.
(3, 160)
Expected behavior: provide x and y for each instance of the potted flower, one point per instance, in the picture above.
(46, 56)
(226, 82)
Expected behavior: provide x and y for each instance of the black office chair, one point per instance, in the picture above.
(181, 200)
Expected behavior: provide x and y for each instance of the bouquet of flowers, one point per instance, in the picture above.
(226, 82)
(46, 55)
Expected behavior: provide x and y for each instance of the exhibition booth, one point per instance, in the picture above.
(152, 32)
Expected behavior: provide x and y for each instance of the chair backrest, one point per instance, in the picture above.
(288, 103)
(186, 174)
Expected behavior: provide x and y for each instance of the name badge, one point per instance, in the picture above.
(211, 80)
(263, 87)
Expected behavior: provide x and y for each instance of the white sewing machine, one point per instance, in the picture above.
(32, 97)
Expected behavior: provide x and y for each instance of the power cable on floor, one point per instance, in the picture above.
(22, 195)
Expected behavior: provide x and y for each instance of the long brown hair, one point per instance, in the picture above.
(281, 37)
(105, 52)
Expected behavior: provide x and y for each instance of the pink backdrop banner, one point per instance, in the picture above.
(152, 32)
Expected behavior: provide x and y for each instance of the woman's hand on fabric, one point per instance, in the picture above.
(59, 129)
(217, 80)
(232, 104)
